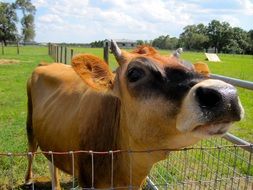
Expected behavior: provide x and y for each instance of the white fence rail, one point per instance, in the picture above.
(234, 81)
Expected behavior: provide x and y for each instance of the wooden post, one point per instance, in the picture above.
(57, 53)
(49, 49)
(71, 54)
(2, 48)
(17, 48)
(61, 54)
(54, 52)
(65, 55)
(106, 51)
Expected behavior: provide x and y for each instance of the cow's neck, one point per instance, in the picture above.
(110, 132)
(130, 162)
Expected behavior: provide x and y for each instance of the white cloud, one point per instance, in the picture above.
(40, 3)
(233, 21)
(50, 18)
(88, 20)
(247, 6)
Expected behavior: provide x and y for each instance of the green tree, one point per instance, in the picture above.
(27, 22)
(25, 6)
(97, 44)
(194, 37)
(28, 31)
(140, 42)
(219, 34)
(232, 47)
(250, 42)
(238, 42)
(8, 19)
(159, 42)
(149, 42)
(173, 43)
(250, 33)
(165, 42)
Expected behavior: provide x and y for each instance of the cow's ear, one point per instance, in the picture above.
(93, 71)
(202, 68)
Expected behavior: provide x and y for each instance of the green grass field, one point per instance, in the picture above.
(13, 99)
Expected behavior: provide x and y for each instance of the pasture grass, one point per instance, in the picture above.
(13, 102)
(13, 99)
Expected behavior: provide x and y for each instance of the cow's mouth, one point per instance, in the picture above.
(213, 128)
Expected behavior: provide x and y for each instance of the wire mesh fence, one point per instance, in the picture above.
(211, 164)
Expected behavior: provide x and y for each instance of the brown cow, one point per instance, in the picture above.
(150, 102)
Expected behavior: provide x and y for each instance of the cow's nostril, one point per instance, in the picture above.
(208, 98)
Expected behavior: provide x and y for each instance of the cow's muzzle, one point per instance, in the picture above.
(219, 103)
(210, 108)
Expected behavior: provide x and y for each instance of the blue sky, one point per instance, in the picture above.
(89, 20)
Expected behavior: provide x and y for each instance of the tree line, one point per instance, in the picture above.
(220, 36)
(9, 21)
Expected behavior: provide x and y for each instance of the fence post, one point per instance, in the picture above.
(49, 49)
(71, 54)
(52, 51)
(57, 53)
(17, 48)
(65, 55)
(61, 47)
(106, 51)
(2, 48)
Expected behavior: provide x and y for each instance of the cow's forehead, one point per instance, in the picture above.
(147, 54)
(158, 62)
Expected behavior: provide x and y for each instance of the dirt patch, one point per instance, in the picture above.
(8, 61)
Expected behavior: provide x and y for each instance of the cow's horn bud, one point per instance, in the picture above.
(178, 52)
(115, 49)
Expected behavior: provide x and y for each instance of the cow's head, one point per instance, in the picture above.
(165, 102)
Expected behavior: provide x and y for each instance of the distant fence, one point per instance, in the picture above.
(13, 43)
(61, 54)
(64, 54)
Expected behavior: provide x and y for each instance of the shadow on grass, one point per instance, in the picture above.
(44, 186)
(44, 183)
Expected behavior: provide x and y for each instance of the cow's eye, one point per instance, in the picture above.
(134, 74)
